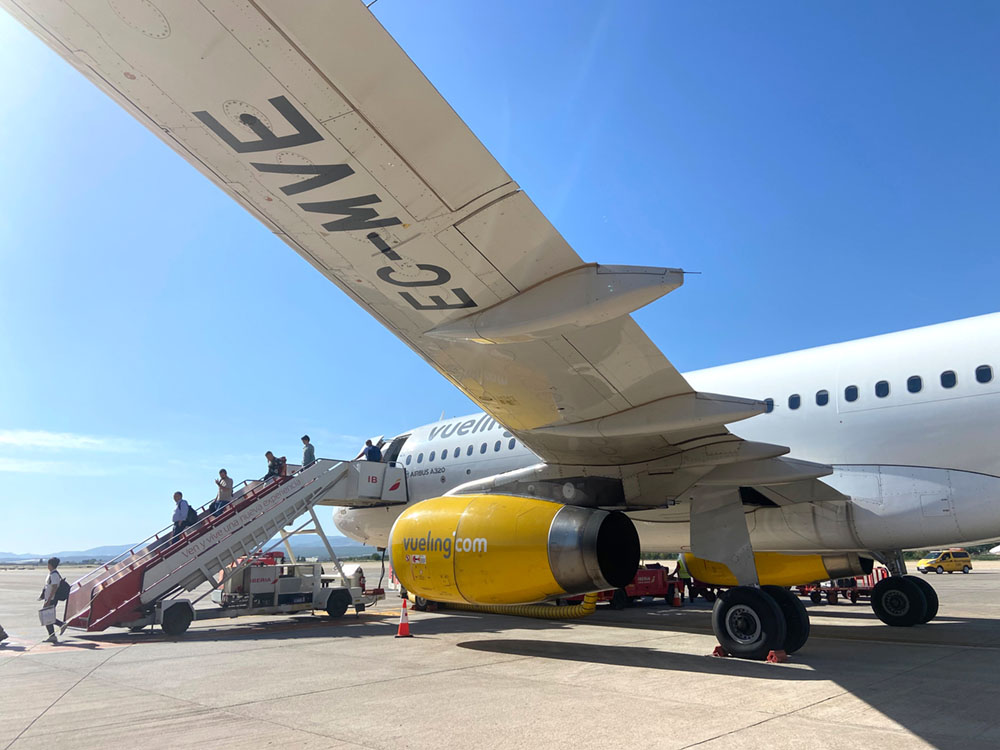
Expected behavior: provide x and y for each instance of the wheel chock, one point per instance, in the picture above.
(776, 657)
(720, 651)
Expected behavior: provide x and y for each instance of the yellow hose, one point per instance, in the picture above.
(542, 611)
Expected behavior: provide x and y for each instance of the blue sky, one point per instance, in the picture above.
(830, 168)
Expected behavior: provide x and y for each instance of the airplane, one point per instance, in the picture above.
(591, 446)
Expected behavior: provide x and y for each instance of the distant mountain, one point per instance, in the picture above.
(303, 546)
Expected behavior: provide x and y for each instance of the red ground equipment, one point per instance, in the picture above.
(850, 589)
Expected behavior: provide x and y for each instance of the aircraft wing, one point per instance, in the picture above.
(311, 116)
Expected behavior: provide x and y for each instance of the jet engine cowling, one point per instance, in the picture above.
(782, 569)
(503, 549)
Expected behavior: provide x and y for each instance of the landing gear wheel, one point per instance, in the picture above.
(748, 623)
(939, 570)
(796, 617)
(176, 619)
(815, 597)
(899, 602)
(619, 599)
(337, 603)
(930, 595)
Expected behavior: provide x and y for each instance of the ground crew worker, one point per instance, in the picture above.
(308, 451)
(48, 595)
(684, 576)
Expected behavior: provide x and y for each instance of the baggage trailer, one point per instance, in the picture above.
(851, 589)
(650, 580)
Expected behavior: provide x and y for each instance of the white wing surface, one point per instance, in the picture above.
(310, 115)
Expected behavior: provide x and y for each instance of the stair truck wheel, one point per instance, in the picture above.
(796, 617)
(899, 602)
(815, 597)
(930, 594)
(176, 619)
(420, 603)
(748, 622)
(337, 603)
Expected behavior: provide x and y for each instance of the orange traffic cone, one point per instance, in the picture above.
(677, 597)
(404, 623)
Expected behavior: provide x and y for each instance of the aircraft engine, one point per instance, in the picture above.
(501, 549)
(781, 569)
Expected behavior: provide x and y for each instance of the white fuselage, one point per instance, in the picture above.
(921, 462)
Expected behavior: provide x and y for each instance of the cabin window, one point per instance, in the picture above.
(469, 451)
(431, 457)
(496, 446)
(851, 393)
(482, 448)
(768, 405)
(984, 374)
(511, 444)
(882, 388)
(948, 379)
(794, 401)
(822, 398)
(420, 458)
(914, 384)
(408, 459)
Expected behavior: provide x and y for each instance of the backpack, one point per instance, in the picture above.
(62, 590)
(192, 516)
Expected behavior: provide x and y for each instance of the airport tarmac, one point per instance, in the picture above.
(638, 678)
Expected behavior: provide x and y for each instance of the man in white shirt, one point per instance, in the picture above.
(49, 597)
(180, 515)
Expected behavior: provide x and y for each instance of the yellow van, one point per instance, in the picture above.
(948, 560)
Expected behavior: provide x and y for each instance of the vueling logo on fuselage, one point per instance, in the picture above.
(444, 544)
(485, 423)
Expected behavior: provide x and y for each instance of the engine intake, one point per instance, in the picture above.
(502, 549)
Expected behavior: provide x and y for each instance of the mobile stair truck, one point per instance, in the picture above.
(144, 585)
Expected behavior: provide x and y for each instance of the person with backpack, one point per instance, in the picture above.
(182, 515)
(56, 589)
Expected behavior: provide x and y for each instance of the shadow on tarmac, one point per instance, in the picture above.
(639, 656)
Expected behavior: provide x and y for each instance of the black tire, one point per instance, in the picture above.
(337, 603)
(177, 619)
(708, 595)
(899, 602)
(748, 623)
(137, 628)
(965, 568)
(796, 617)
(815, 597)
(939, 570)
(924, 571)
(854, 597)
(619, 599)
(930, 595)
(420, 603)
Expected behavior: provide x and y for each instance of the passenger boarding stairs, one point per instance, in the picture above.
(125, 589)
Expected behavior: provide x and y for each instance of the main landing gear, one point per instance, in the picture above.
(902, 600)
(750, 622)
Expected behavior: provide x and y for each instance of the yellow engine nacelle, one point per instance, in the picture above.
(500, 549)
(781, 569)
